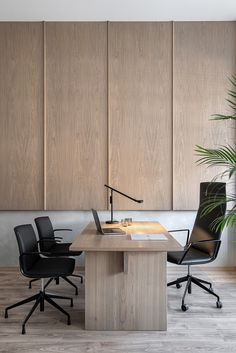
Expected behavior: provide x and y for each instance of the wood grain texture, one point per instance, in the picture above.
(91, 240)
(116, 300)
(76, 115)
(140, 126)
(125, 279)
(202, 329)
(204, 58)
(21, 116)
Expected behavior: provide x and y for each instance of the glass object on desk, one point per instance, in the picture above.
(129, 221)
(124, 222)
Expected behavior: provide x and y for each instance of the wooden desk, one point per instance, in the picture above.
(125, 280)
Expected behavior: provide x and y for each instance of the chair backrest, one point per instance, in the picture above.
(202, 228)
(45, 231)
(27, 242)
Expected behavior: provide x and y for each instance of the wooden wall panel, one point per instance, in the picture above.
(21, 116)
(204, 56)
(76, 111)
(140, 120)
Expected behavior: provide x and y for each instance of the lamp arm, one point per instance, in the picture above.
(121, 193)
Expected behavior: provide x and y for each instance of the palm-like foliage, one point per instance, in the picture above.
(223, 156)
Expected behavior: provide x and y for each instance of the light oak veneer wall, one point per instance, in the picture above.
(84, 104)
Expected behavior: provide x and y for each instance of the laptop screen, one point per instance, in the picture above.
(97, 221)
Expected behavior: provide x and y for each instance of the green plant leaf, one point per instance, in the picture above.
(223, 117)
(222, 156)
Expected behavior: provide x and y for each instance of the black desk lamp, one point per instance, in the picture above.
(111, 201)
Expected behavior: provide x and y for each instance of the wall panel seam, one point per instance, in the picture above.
(172, 114)
(44, 120)
(108, 118)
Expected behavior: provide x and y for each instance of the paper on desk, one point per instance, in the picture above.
(148, 237)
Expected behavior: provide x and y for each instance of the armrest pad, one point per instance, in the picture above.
(62, 229)
(48, 240)
(36, 253)
(178, 230)
(205, 241)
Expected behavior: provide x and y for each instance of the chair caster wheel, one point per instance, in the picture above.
(184, 307)
(68, 321)
(71, 303)
(23, 330)
(6, 315)
(219, 304)
(178, 285)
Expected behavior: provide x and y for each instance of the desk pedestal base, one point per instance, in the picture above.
(125, 291)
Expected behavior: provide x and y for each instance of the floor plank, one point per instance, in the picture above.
(203, 328)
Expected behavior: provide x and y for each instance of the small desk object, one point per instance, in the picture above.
(125, 280)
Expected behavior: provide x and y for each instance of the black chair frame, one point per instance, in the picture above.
(66, 279)
(39, 298)
(189, 278)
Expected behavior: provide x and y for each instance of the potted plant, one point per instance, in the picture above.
(223, 156)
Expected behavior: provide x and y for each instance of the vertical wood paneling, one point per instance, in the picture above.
(204, 56)
(75, 90)
(21, 116)
(140, 113)
(76, 112)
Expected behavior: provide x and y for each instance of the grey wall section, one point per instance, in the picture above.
(78, 220)
(121, 10)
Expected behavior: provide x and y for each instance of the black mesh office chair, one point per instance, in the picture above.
(204, 242)
(52, 245)
(32, 265)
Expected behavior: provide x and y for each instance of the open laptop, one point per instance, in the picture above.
(105, 231)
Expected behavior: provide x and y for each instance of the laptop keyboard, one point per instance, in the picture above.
(112, 230)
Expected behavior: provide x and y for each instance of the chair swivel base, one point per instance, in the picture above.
(57, 282)
(79, 276)
(199, 282)
(39, 299)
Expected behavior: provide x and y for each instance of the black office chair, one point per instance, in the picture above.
(32, 265)
(204, 242)
(52, 245)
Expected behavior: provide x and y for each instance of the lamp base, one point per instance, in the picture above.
(111, 222)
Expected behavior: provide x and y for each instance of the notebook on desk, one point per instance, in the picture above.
(148, 237)
(106, 231)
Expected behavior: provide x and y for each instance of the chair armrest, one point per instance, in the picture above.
(181, 230)
(62, 230)
(48, 240)
(189, 245)
(206, 240)
(35, 253)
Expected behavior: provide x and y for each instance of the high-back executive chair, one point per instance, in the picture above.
(51, 244)
(203, 244)
(32, 265)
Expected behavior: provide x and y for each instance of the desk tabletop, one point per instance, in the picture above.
(91, 240)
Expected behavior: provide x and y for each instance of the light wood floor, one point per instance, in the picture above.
(202, 329)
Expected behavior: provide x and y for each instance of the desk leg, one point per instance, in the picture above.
(125, 300)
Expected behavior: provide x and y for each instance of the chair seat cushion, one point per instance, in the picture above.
(62, 249)
(193, 257)
(51, 267)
